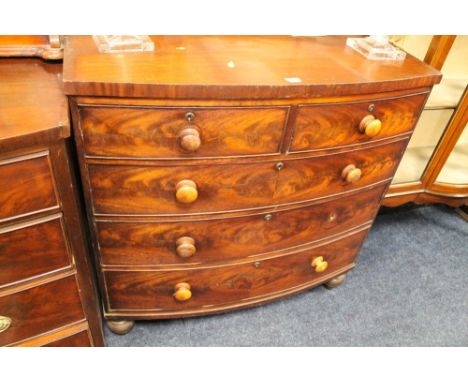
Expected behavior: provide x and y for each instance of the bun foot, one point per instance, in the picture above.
(120, 326)
(335, 281)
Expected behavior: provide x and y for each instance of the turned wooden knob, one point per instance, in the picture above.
(351, 173)
(319, 264)
(189, 138)
(185, 246)
(186, 191)
(182, 292)
(370, 126)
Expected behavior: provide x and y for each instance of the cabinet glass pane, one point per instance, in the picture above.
(428, 131)
(455, 170)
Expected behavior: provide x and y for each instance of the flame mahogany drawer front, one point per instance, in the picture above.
(325, 126)
(144, 189)
(32, 249)
(26, 185)
(214, 240)
(225, 286)
(37, 310)
(182, 132)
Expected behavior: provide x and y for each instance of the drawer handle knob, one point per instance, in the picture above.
(182, 292)
(189, 138)
(185, 246)
(5, 323)
(186, 191)
(370, 126)
(351, 173)
(319, 264)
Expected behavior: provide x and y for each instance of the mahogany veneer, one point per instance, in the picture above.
(224, 172)
(47, 292)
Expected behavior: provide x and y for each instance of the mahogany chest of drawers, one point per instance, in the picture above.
(47, 294)
(224, 172)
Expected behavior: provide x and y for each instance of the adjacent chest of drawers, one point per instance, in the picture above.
(224, 172)
(47, 295)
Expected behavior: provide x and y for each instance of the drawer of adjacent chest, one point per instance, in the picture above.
(38, 310)
(185, 189)
(326, 126)
(200, 290)
(32, 249)
(182, 132)
(26, 185)
(213, 240)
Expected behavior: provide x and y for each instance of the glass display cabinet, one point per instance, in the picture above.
(434, 168)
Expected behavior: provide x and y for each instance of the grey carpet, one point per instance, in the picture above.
(409, 288)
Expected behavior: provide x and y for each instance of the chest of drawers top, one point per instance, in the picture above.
(32, 102)
(237, 67)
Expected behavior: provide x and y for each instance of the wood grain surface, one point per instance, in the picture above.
(154, 243)
(32, 250)
(80, 339)
(237, 67)
(221, 286)
(145, 189)
(336, 125)
(26, 185)
(40, 309)
(153, 132)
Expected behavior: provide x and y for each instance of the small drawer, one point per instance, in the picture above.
(32, 249)
(200, 290)
(328, 126)
(39, 309)
(212, 240)
(170, 132)
(320, 176)
(164, 189)
(26, 186)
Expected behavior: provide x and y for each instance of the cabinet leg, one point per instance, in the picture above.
(335, 281)
(120, 326)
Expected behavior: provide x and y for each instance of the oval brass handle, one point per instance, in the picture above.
(351, 173)
(370, 126)
(185, 246)
(186, 191)
(5, 323)
(182, 292)
(189, 138)
(319, 264)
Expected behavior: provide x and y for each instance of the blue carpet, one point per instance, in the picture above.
(409, 288)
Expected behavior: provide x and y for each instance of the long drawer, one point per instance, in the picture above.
(323, 126)
(154, 189)
(32, 249)
(40, 309)
(216, 288)
(26, 185)
(172, 132)
(208, 240)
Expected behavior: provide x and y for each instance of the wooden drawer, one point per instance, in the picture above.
(26, 185)
(215, 288)
(324, 126)
(306, 179)
(152, 189)
(40, 309)
(153, 243)
(32, 249)
(80, 339)
(155, 132)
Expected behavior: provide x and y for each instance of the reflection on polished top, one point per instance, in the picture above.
(31, 90)
(233, 67)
